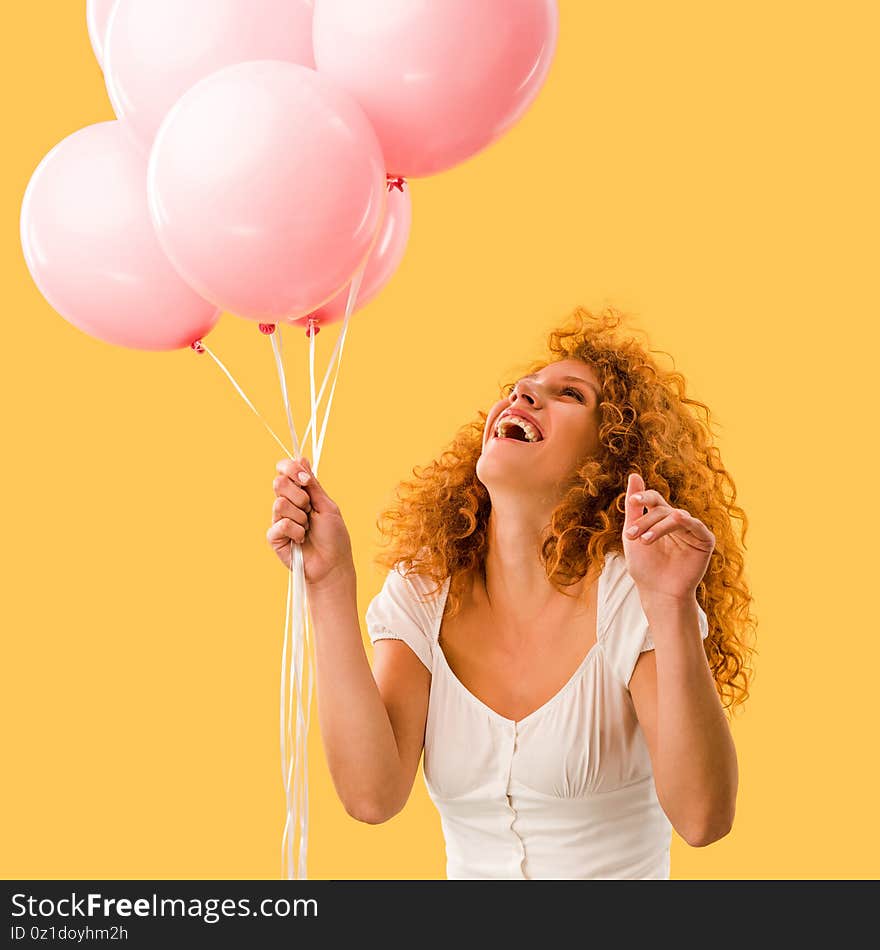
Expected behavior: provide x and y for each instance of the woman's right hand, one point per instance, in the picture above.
(305, 514)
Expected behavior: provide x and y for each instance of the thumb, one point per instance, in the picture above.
(319, 499)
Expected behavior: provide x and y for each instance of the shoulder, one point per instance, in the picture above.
(416, 591)
(406, 608)
(623, 625)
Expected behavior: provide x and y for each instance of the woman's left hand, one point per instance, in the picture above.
(669, 551)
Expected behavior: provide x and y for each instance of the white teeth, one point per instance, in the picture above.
(532, 434)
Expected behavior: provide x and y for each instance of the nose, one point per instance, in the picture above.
(526, 389)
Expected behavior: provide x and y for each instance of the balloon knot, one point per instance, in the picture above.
(395, 182)
(197, 346)
(313, 327)
(267, 328)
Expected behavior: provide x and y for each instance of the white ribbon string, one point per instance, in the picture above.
(216, 359)
(289, 755)
(295, 747)
(336, 348)
(294, 742)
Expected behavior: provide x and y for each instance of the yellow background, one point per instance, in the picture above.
(710, 169)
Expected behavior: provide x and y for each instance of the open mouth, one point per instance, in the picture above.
(514, 429)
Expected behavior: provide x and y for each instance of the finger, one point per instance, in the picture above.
(291, 468)
(276, 533)
(283, 508)
(298, 473)
(320, 500)
(640, 525)
(283, 486)
(650, 498)
(635, 484)
(696, 527)
(286, 529)
(677, 519)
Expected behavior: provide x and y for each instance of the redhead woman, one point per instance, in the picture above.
(561, 629)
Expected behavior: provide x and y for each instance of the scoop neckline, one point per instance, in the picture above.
(600, 624)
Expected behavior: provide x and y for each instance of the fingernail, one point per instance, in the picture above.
(638, 496)
(303, 477)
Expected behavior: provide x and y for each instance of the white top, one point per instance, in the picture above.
(568, 791)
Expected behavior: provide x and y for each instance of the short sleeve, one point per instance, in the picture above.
(398, 612)
(629, 634)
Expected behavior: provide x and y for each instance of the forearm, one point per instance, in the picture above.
(696, 774)
(359, 742)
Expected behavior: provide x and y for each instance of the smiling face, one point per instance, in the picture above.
(560, 406)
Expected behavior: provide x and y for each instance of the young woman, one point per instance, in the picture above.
(560, 630)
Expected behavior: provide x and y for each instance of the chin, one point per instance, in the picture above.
(491, 470)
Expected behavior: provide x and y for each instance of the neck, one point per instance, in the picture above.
(516, 589)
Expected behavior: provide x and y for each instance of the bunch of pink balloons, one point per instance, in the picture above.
(260, 152)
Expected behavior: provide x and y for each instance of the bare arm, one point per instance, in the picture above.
(692, 750)
(372, 728)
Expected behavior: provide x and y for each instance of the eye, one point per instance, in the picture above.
(576, 392)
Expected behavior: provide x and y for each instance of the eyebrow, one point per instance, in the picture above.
(574, 379)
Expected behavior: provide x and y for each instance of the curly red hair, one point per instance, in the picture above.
(437, 527)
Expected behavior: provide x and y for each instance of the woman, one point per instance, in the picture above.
(560, 629)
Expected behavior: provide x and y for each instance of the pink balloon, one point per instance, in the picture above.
(439, 80)
(384, 260)
(97, 18)
(157, 49)
(91, 249)
(267, 189)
